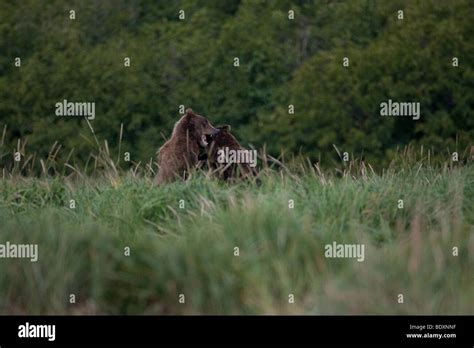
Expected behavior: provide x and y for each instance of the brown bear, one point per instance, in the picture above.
(180, 153)
(220, 144)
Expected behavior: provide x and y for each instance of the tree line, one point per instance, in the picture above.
(309, 74)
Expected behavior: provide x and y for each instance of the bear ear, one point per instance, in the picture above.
(189, 112)
(225, 127)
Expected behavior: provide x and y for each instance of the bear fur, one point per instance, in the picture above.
(180, 153)
(218, 141)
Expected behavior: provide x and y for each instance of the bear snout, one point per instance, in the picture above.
(211, 131)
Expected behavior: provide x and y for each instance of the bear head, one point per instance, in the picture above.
(223, 137)
(196, 127)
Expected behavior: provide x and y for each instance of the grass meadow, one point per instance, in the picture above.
(182, 239)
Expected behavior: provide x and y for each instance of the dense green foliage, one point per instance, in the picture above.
(190, 62)
(191, 250)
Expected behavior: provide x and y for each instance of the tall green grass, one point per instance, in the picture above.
(190, 251)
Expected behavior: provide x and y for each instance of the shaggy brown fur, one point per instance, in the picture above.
(227, 171)
(181, 151)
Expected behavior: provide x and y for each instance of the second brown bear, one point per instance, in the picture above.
(227, 171)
